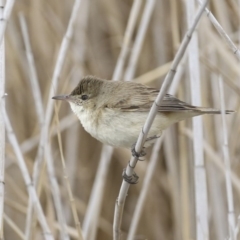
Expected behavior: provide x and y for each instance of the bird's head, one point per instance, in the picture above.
(85, 94)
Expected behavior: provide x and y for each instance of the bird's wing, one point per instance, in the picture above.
(143, 101)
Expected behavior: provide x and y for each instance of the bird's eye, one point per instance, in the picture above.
(84, 97)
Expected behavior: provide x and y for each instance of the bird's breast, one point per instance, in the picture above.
(90, 118)
(115, 127)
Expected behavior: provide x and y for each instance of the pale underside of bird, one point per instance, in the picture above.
(114, 112)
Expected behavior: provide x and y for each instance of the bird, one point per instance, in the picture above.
(114, 112)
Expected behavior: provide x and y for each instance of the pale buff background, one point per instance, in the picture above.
(94, 50)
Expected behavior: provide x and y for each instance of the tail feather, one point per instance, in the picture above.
(214, 111)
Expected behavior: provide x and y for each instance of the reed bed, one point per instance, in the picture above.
(57, 182)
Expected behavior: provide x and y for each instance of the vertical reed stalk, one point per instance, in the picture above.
(227, 163)
(201, 201)
(2, 125)
(130, 71)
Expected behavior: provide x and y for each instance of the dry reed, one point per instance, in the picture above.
(113, 39)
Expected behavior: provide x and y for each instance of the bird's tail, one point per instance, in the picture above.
(214, 111)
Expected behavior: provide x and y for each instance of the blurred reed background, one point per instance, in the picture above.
(169, 209)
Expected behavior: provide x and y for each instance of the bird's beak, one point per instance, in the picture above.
(62, 97)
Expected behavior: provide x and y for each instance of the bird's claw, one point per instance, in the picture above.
(138, 155)
(130, 179)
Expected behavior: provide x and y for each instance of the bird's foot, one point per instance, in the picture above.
(130, 179)
(142, 153)
(136, 154)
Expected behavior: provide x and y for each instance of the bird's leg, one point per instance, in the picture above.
(152, 138)
(134, 178)
(130, 179)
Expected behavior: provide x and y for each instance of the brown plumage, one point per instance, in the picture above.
(115, 111)
(134, 96)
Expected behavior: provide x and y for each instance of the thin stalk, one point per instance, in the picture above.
(71, 199)
(152, 163)
(218, 206)
(56, 192)
(28, 182)
(29, 220)
(127, 39)
(32, 72)
(43, 145)
(38, 105)
(237, 227)
(227, 163)
(130, 71)
(2, 125)
(145, 187)
(215, 158)
(143, 134)
(90, 223)
(56, 75)
(14, 227)
(185, 186)
(5, 17)
(201, 201)
(222, 32)
(227, 57)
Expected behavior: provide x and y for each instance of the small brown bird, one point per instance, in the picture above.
(115, 111)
